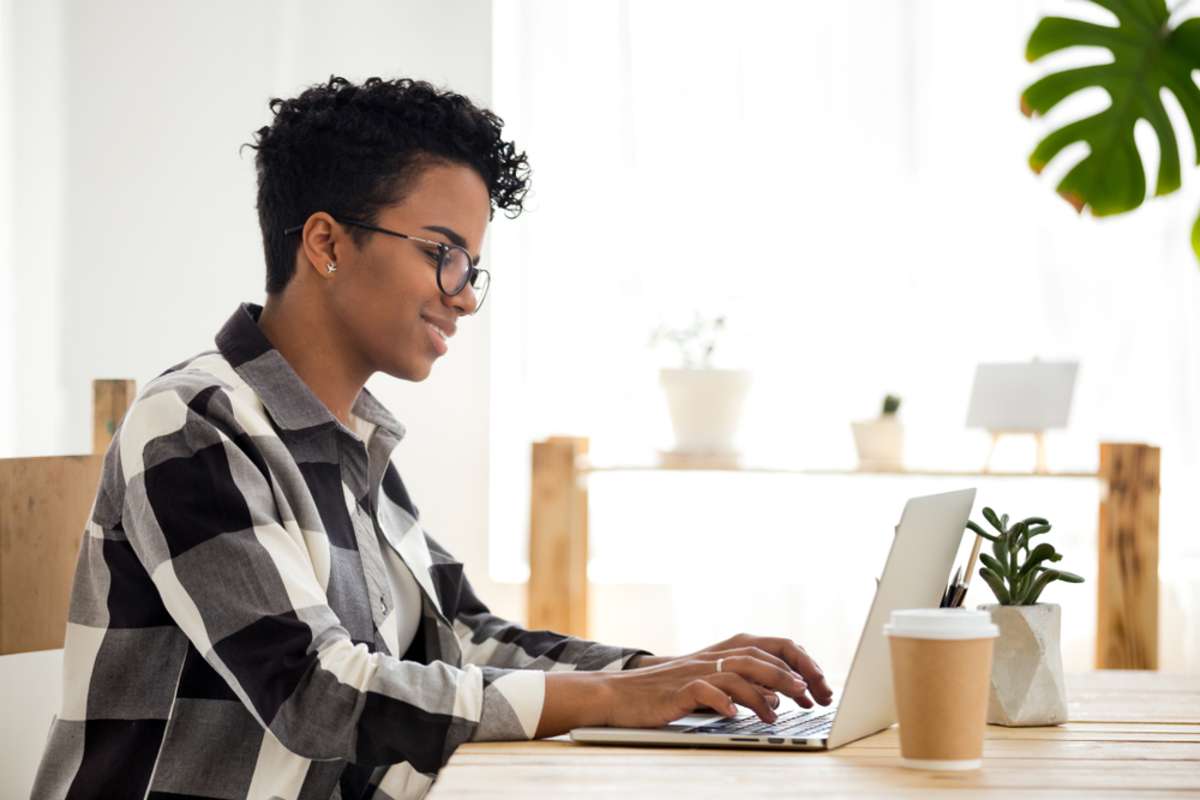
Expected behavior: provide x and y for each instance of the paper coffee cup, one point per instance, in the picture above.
(941, 664)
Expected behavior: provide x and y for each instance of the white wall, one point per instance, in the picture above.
(8, 345)
(164, 235)
(32, 225)
(130, 221)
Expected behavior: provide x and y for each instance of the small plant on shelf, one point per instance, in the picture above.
(695, 342)
(705, 402)
(1016, 572)
(891, 405)
(880, 441)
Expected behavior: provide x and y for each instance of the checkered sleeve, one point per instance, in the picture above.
(238, 578)
(488, 640)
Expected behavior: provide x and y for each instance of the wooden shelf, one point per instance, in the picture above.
(1127, 535)
(719, 465)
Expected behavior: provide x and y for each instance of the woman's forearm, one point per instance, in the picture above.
(645, 661)
(574, 700)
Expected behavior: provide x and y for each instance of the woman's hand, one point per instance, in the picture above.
(652, 696)
(659, 690)
(791, 654)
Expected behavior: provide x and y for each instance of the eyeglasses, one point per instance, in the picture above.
(454, 267)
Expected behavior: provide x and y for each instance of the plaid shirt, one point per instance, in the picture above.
(224, 635)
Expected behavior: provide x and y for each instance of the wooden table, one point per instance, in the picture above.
(1131, 734)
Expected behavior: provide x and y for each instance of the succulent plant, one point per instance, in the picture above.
(1016, 573)
(891, 404)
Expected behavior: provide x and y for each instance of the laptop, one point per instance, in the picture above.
(914, 576)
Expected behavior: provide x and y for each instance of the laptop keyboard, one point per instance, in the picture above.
(795, 723)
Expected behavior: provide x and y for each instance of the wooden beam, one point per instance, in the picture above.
(558, 533)
(1127, 579)
(110, 400)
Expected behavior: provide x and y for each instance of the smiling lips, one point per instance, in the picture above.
(439, 332)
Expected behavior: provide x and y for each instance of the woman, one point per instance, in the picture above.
(257, 610)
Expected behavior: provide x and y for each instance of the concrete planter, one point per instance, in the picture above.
(705, 406)
(1027, 675)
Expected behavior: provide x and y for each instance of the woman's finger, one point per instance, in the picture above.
(797, 660)
(759, 653)
(703, 694)
(803, 663)
(742, 691)
(770, 696)
(768, 676)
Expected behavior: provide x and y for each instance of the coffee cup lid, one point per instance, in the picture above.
(941, 623)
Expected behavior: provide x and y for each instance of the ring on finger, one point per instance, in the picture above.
(720, 663)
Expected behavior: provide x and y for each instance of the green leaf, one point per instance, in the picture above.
(992, 564)
(1069, 577)
(1034, 526)
(1035, 591)
(1004, 521)
(980, 531)
(991, 517)
(996, 584)
(1038, 530)
(1040, 553)
(1018, 533)
(1196, 238)
(1000, 548)
(1148, 57)
(1045, 579)
(1027, 583)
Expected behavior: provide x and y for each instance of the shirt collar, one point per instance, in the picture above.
(284, 394)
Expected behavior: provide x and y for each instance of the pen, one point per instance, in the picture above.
(962, 594)
(948, 595)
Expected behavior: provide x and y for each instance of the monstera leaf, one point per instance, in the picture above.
(1148, 56)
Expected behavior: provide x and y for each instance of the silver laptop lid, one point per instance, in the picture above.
(914, 576)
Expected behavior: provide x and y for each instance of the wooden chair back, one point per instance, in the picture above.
(44, 506)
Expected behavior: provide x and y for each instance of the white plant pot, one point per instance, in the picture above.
(705, 406)
(880, 443)
(1027, 674)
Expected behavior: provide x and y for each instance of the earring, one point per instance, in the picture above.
(331, 267)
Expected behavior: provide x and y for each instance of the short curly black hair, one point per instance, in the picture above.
(355, 149)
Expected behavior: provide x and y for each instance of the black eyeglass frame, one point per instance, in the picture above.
(444, 249)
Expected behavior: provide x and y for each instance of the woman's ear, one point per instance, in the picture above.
(320, 242)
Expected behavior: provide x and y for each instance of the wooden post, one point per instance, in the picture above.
(558, 532)
(1127, 580)
(110, 400)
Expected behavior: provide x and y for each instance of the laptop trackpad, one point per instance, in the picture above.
(691, 721)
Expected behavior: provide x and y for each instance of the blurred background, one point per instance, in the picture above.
(846, 183)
